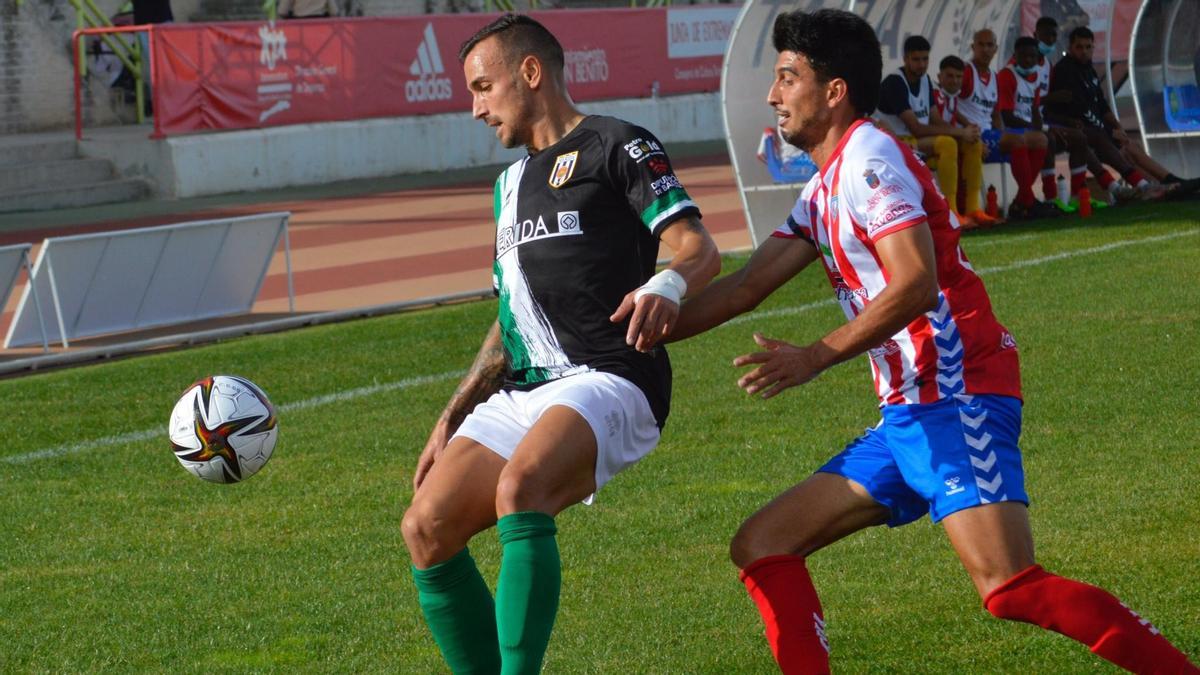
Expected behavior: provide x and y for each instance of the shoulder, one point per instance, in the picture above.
(615, 129)
(867, 147)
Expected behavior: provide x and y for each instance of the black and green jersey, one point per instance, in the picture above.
(577, 228)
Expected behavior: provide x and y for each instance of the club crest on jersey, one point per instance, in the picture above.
(871, 178)
(564, 168)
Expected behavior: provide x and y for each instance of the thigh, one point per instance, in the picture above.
(993, 542)
(552, 467)
(821, 510)
(1011, 139)
(455, 501)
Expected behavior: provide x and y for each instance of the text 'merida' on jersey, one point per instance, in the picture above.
(577, 228)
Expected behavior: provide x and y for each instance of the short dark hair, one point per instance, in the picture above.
(1046, 22)
(1082, 33)
(952, 61)
(837, 44)
(916, 43)
(1025, 42)
(519, 36)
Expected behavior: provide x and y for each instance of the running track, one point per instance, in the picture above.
(390, 247)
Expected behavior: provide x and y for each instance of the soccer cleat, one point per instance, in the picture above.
(1017, 211)
(1123, 194)
(982, 219)
(1045, 210)
(1066, 207)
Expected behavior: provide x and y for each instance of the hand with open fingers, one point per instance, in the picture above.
(652, 317)
(438, 439)
(780, 366)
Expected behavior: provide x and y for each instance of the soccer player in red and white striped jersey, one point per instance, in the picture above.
(945, 370)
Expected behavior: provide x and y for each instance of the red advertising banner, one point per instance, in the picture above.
(248, 75)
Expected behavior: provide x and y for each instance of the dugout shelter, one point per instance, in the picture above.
(1146, 52)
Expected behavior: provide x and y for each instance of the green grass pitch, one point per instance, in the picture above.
(113, 559)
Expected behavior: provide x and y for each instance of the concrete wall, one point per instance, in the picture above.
(205, 164)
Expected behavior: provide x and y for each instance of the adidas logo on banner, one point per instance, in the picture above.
(427, 67)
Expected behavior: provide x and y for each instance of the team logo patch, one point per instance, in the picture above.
(871, 178)
(658, 165)
(564, 168)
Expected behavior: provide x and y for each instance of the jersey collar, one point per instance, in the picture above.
(837, 151)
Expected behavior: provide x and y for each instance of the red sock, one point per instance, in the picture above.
(1037, 157)
(1049, 185)
(1105, 179)
(1019, 161)
(1089, 615)
(1134, 177)
(784, 593)
(1078, 180)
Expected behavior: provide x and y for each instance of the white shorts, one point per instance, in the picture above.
(614, 407)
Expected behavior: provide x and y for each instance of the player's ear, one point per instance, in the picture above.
(531, 71)
(835, 91)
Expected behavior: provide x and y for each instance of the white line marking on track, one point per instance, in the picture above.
(147, 434)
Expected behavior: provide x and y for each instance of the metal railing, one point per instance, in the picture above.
(111, 34)
(89, 20)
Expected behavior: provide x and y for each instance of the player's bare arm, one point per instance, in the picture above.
(482, 380)
(920, 130)
(771, 266)
(912, 290)
(944, 128)
(654, 314)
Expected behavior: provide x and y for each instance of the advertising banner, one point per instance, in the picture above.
(255, 74)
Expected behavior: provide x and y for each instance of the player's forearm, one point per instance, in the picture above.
(719, 302)
(482, 380)
(897, 306)
(697, 259)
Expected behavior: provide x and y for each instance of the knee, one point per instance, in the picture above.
(1035, 140)
(515, 492)
(424, 534)
(945, 146)
(753, 543)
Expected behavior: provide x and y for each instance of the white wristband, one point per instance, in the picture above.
(667, 283)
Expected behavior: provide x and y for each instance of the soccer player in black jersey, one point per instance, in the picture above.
(570, 385)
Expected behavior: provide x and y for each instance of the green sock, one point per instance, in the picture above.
(527, 593)
(461, 615)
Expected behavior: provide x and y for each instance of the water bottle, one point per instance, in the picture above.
(993, 202)
(1064, 190)
(1085, 202)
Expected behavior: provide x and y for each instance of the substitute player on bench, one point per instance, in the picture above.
(946, 372)
(570, 386)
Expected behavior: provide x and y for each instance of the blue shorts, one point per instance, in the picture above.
(991, 144)
(939, 457)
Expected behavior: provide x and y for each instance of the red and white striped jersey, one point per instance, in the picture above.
(945, 105)
(978, 96)
(873, 186)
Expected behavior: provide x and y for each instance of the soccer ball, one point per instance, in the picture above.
(223, 429)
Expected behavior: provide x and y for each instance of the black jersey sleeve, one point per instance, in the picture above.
(640, 168)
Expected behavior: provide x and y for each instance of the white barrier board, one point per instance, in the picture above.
(142, 278)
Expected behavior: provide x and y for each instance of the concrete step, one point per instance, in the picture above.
(21, 149)
(66, 197)
(56, 173)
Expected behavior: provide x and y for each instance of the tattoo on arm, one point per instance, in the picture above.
(483, 380)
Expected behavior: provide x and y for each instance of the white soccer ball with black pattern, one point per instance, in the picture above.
(223, 429)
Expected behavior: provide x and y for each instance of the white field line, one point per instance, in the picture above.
(350, 394)
(148, 434)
